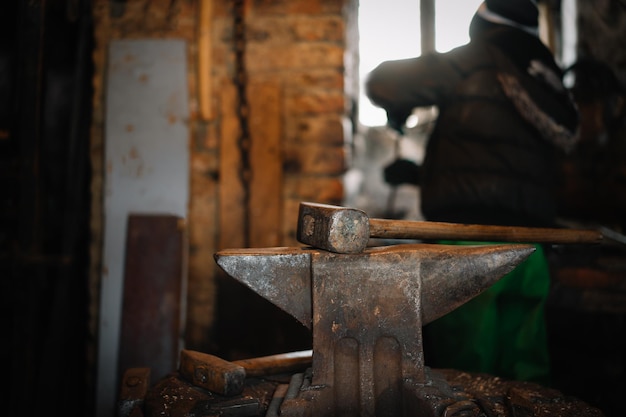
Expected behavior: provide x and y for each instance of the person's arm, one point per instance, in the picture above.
(400, 86)
(402, 171)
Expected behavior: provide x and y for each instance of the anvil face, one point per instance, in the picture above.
(450, 275)
(367, 310)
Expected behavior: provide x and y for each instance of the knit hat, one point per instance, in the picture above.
(522, 14)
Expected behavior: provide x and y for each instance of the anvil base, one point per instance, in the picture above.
(452, 393)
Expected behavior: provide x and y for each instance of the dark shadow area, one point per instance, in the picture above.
(45, 115)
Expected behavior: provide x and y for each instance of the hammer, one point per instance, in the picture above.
(348, 230)
(227, 378)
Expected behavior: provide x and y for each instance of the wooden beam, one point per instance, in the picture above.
(265, 211)
(205, 89)
(232, 210)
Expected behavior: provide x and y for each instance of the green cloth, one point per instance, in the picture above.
(502, 331)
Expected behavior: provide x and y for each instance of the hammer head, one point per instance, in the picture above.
(333, 228)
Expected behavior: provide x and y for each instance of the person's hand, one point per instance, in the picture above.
(396, 120)
(402, 171)
(396, 126)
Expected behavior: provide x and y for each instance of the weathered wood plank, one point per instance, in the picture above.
(266, 161)
(153, 306)
(232, 210)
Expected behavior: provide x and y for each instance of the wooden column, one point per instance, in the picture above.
(266, 183)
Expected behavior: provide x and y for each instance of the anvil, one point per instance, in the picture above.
(366, 313)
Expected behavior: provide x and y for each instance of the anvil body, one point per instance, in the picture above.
(366, 312)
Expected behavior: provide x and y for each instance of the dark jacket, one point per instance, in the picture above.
(503, 113)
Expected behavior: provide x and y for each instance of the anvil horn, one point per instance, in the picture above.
(451, 282)
(451, 275)
(280, 275)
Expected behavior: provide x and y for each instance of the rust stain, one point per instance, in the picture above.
(171, 118)
(143, 78)
(109, 166)
(129, 58)
(130, 128)
(133, 153)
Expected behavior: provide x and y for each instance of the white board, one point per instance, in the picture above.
(147, 169)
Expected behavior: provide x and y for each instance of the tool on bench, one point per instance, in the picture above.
(228, 377)
(212, 372)
(133, 391)
(348, 230)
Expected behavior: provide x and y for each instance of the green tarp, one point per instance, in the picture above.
(502, 331)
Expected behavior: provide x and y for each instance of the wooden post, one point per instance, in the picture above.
(204, 60)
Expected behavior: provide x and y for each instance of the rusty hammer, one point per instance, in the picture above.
(227, 378)
(348, 230)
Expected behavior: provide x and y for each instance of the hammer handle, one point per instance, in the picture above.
(408, 229)
(228, 378)
(277, 364)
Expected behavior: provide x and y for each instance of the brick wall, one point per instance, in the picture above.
(301, 82)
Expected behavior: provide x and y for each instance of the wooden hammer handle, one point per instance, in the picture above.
(277, 364)
(228, 378)
(425, 230)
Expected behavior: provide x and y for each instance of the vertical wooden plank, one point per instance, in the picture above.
(231, 205)
(153, 305)
(204, 59)
(247, 324)
(266, 161)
